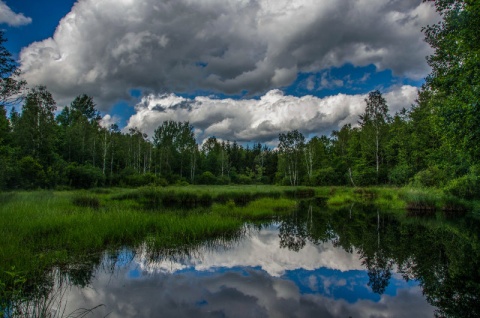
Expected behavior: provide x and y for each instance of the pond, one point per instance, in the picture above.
(354, 262)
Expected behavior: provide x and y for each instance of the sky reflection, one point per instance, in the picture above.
(254, 278)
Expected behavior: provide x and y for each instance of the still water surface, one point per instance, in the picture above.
(296, 267)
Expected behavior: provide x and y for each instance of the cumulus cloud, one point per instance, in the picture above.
(108, 120)
(260, 250)
(11, 18)
(105, 48)
(261, 119)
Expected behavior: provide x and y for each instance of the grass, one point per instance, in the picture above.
(391, 198)
(43, 229)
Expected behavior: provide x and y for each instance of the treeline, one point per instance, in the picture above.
(41, 150)
(435, 142)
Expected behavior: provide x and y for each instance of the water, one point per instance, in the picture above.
(253, 278)
(356, 262)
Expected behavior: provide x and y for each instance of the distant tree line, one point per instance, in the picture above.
(434, 142)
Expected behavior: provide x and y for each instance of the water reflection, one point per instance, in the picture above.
(356, 262)
(258, 276)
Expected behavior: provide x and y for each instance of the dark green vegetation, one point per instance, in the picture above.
(433, 143)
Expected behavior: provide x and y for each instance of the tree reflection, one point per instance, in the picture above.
(379, 272)
(443, 255)
(293, 232)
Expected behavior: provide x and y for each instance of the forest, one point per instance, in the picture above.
(433, 143)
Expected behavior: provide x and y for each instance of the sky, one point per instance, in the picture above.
(243, 70)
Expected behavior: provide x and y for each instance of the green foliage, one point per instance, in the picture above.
(465, 187)
(433, 176)
(400, 174)
(11, 292)
(31, 173)
(35, 132)
(10, 85)
(207, 178)
(85, 176)
(422, 200)
(326, 176)
(138, 180)
(455, 77)
(290, 146)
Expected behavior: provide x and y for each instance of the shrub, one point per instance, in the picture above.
(325, 176)
(243, 179)
(430, 177)
(85, 176)
(207, 178)
(138, 180)
(465, 187)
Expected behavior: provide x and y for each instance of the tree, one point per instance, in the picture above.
(35, 132)
(346, 149)
(455, 78)
(79, 124)
(374, 126)
(10, 89)
(10, 85)
(176, 148)
(291, 147)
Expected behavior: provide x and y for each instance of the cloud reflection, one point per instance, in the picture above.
(260, 250)
(255, 278)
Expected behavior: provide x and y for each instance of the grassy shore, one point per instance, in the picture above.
(42, 229)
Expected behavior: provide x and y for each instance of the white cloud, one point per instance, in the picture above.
(261, 250)
(109, 120)
(260, 119)
(11, 18)
(105, 48)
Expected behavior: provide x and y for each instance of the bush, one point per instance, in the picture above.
(430, 177)
(207, 178)
(326, 176)
(243, 179)
(85, 176)
(465, 187)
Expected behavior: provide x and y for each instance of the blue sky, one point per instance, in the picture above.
(127, 54)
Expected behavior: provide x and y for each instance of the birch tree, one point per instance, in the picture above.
(291, 147)
(374, 126)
